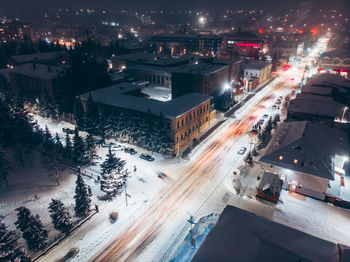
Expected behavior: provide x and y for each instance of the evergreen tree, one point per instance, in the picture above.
(269, 126)
(113, 177)
(89, 147)
(249, 158)
(91, 116)
(78, 148)
(32, 229)
(82, 198)
(10, 249)
(4, 166)
(60, 217)
(68, 147)
(78, 112)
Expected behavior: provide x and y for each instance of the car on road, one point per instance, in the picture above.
(146, 157)
(106, 145)
(242, 150)
(68, 130)
(252, 117)
(265, 116)
(274, 107)
(130, 150)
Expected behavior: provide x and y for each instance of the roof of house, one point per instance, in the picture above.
(315, 106)
(270, 181)
(313, 97)
(116, 95)
(340, 52)
(38, 71)
(243, 236)
(255, 64)
(200, 68)
(329, 80)
(37, 57)
(306, 147)
(245, 35)
(310, 89)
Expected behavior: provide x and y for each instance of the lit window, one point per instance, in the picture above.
(295, 161)
(281, 157)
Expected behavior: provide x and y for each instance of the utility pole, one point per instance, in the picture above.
(191, 221)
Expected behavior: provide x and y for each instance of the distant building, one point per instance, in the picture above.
(336, 61)
(243, 44)
(243, 236)
(255, 72)
(185, 116)
(16, 31)
(191, 43)
(328, 84)
(48, 58)
(305, 155)
(204, 78)
(36, 80)
(286, 49)
(316, 108)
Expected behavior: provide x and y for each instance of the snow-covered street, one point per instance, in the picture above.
(154, 222)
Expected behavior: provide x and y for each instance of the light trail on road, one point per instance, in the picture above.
(130, 242)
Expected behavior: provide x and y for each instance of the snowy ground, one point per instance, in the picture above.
(154, 223)
(158, 92)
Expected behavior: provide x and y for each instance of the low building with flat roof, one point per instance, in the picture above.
(185, 116)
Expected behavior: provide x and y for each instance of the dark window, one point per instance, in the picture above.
(168, 125)
(178, 124)
(162, 80)
(182, 121)
(206, 119)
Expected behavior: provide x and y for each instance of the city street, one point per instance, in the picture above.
(203, 185)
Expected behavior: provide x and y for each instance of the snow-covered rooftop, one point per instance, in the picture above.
(306, 147)
(116, 95)
(38, 71)
(313, 97)
(309, 89)
(37, 57)
(200, 68)
(242, 236)
(329, 80)
(340, 52)
(270, 181)
(315, 106)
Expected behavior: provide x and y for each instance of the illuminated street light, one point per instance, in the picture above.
(201, 20)
(227, 86)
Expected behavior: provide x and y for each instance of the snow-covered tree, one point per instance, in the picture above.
(32, 229)
(4, 166)
(112, 175)
(57, 141)
(60, 217)
(78, 112)
(89, 148)
(68, 147)
(10, 249)
(82, 198)
(249, 158)
(78, 147)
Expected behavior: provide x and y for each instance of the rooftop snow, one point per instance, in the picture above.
(313, 97)
(312, 145)
(38, 71)
(201, 68)
(242, 236)
(326, 91)
(329, 80)
(340, 52)
(315, 106)
(115, 95)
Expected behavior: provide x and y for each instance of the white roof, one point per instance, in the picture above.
(245, 237)
(116, 95)
(38, 71)
(311, 145)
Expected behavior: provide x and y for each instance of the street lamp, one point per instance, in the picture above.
(201, 20)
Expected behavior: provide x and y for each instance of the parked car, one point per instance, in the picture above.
(274, 107)
(242, 150)
(130, 150)
(106, 145)
(265, 116)
(68, 130)
(146, 157)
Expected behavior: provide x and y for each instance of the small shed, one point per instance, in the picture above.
(269, 187)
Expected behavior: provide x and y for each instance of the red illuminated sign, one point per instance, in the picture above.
(246, 44)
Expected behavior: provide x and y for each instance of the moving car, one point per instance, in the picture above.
(265, 116)
(242, 150)
(130, 150)
(274, 107)
(146, 157)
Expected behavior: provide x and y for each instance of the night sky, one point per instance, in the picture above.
(211, 5)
